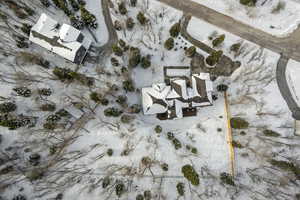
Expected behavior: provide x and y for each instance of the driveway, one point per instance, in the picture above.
(284, 88)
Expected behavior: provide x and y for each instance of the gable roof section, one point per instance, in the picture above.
(62, 40)
(154, 101)
(202, 89)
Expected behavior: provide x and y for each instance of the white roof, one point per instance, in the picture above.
(65, 37)
(154, 98)
(172, 94)
(150, 107)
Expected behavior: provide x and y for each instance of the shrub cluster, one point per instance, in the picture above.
(214, 57)
(175, 30)
(218, 41)
(134, 57)
(135, 108)
(14, 122)
(248, 2)
(190, 52)
(130, 23)
(7, 107)
(122, 100)
(88, 18)
(235, 47)
(126, 119)
(112, 112)
(238, 123)
(271, 133)
(120, 189)
(64, 74)
(226, 179)
(192, 149)
(128, 86)
(222, 88)
(45, 91)
(133, 3)
(180, 188)
(98, 98)
(117, 50)
(118, 25)
(63, 5)
(76, 22)
(22, 91)
(146, 61)
(122, 8)
(45, 3)
(142, 19)
(175, 141)
(169, 44)
(190, 174)
(158, 129)
(287, 166)
(26, 28)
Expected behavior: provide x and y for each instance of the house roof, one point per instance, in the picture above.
(61, 40)
(202, 89)
(179, 86)
(154, 100)
(177, 98)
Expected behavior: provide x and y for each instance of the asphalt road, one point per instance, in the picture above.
(284, 88)
(106, 50)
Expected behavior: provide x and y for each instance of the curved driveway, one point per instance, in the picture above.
(284, 88)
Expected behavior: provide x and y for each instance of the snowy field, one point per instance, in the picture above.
(263, 16)
(76, 162)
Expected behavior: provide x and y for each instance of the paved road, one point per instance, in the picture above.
(106, 50)
(112, 34)
(284, 88)
(289, 46)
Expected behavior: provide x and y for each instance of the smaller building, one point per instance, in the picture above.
(63, 40)
(178, 97)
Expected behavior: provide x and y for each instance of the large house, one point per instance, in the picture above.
(179, 96)
(63, 40)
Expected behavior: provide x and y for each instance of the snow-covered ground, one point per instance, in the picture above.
(79, 167)
(262, 16)
(293, 78)
(260, 62)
